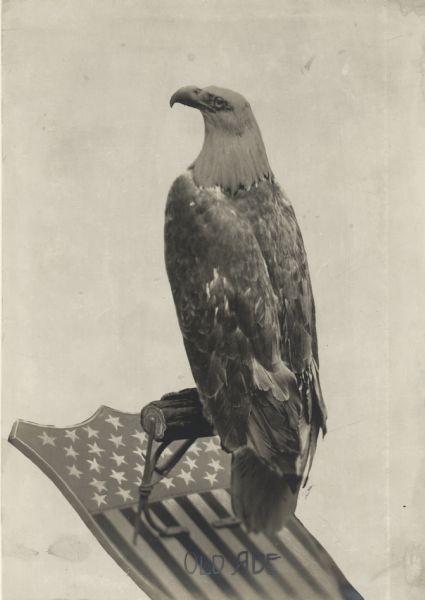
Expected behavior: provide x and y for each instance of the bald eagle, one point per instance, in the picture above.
(239, 277)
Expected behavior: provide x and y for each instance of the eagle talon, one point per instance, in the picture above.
(229, 522)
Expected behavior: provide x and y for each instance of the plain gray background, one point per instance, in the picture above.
(90, 151)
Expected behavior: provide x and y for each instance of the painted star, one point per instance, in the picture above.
(211, 446)
(94, 465)
(99, 485)
(118, 475)
(190, 462)
(168, 482)
(195, 449)
(139, 452)
(215, 464)
(212, 477)
(71, 452)
(99, 499)
(140, 468)
(115, 421)
(119, 460)
(94, 449)
(186, 476)
(138, 481)
(116, 440)
(125, 494)
(74, 471)
(47, 439)
(71, 434)
(91, 432)
(140, 435)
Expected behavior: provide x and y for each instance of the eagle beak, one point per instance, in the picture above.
(190, 96)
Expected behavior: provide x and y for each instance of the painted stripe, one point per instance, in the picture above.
(324, 576)
(326, 560)
(218, 501)
(297, 557)
(163, 549)
(203, 541)
(245, 582)
(308, 583)
(190, 543)
(105, 521)
(250, 585)
(146, 556)
(306, 539)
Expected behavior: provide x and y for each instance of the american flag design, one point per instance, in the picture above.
(98, 465)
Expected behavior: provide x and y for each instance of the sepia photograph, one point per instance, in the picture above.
(213, 281)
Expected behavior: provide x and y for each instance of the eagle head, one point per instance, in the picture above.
(233, 156)
(221, 108)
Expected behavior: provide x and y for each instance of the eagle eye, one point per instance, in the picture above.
(219, 102)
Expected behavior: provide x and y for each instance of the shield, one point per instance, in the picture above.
(178, 540)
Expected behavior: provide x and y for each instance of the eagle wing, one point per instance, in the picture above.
(275, 227)
(228, 313)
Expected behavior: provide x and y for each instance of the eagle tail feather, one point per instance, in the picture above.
(263, 497)
(314, 432)
(319, 398)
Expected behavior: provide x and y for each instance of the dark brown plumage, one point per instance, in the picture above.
(240, 282)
